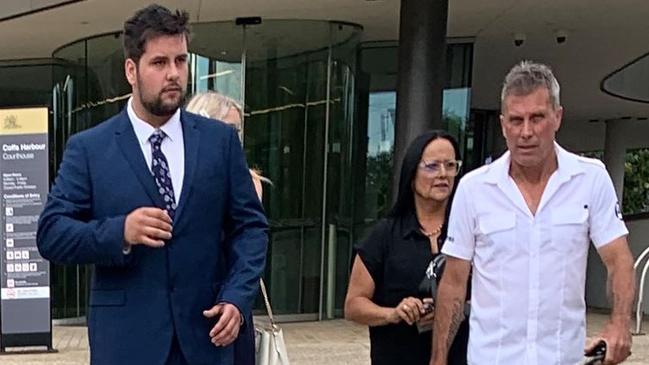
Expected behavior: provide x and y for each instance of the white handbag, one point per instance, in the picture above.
(269, 339)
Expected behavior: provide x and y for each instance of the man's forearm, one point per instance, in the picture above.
(621, 290)
(449, 314)
(63, 239)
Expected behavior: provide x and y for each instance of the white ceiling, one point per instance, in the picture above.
(603, 35)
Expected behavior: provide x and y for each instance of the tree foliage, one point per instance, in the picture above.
(379, 177)
(636, 181)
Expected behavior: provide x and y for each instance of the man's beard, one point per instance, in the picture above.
(159, 108)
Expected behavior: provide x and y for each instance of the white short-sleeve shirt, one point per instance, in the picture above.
(529, 271)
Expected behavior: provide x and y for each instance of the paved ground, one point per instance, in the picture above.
(309, 343)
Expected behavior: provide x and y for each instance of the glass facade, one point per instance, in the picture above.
(377, 119)
(319, 122)
(298, 94)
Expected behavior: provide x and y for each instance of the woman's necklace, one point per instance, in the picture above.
(434, 232)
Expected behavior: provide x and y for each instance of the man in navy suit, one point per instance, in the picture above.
(162, 203)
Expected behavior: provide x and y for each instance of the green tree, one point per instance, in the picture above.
(636, 182)
(379, 177)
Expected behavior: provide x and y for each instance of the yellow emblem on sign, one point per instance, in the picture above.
(23, 121)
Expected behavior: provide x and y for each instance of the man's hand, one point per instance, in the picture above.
(618, 342)
(226, 329)
(147, 226)
(621, 289)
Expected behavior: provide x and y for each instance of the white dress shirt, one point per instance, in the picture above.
(529, 271)
(173, 146)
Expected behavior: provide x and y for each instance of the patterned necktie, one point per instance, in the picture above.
(160, 170)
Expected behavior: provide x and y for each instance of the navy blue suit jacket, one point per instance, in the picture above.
(139, 301)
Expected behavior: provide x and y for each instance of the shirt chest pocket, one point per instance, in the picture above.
(569, 228)
(496, 231)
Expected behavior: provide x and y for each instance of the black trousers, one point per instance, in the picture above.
(244, 345)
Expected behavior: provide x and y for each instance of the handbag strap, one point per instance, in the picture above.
(269, 309)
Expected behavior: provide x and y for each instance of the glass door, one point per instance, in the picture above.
(296, 81)
(284, 133)
(297, 132)
(215, 59)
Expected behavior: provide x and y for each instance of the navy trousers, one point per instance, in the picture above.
(175, 354)
(244, 345)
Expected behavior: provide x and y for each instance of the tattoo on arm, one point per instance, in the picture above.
(449, 309)
(457, 316)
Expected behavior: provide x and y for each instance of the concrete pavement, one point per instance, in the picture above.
(309, 343)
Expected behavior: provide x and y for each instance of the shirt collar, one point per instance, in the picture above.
(143, 130)
(499, 169)
(410, 225)
(568, 165)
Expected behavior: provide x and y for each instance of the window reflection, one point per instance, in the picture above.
(379, 66)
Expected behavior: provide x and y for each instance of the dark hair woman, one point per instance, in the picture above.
(391, 262)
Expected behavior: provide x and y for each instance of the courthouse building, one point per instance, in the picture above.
(333, 90)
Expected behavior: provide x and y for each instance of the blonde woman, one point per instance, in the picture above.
(217, 106)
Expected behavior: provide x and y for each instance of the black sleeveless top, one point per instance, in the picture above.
(396, 254)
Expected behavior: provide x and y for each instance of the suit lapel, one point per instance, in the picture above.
(132, 151)
(191, 140)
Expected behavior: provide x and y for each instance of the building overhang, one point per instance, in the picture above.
(597, 37)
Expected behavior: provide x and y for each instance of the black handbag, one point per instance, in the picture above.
(428, 286)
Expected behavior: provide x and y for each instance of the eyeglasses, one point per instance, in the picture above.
(451, 167)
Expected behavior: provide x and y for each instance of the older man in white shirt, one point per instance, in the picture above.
(525, 222)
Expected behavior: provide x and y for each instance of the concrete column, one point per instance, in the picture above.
(614, 154)
(422, 65)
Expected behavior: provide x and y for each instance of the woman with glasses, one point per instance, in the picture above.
(384, 289)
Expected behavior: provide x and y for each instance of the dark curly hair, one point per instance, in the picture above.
(149, 23)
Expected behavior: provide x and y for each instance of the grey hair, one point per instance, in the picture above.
(213, 105)
(527, 76)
